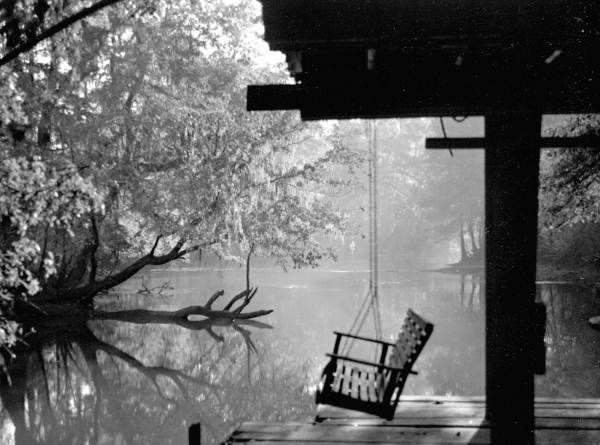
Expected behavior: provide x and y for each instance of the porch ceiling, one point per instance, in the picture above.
(386, 58)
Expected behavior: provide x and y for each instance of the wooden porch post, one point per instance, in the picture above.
(511, 205)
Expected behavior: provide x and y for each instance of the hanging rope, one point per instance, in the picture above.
(445, 134)
(374, 264)
(371, 300)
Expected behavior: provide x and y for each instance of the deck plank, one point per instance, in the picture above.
(428, 421)
(438, 408)
(301, 433)
(481, 399)
(540, 423)
(350, 434)
(462, 412)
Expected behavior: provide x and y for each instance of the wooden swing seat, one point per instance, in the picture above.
(374, 387)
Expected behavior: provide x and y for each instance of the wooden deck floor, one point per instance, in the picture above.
(428, 421)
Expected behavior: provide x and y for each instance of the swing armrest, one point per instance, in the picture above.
(358, 337)
(365, 362)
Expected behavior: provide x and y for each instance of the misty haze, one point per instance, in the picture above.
(170, 260)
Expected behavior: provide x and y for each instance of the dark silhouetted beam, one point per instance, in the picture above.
(301, 24)
(420, 97)
(544, 142)
(274, 97)
(511, 208)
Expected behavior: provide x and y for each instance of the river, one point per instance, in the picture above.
(114, 382)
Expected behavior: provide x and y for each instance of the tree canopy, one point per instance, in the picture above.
(134, 119)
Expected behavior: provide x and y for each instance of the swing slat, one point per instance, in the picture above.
(368, 363)
(355, 390)
(373, 392)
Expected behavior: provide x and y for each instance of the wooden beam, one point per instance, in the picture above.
(294, 24)
(274, 97)
(591, 141)
(511, 190)
(423, 95)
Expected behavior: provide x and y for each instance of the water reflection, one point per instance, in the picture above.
(472, 290)
(122, 386)
(573, 348)
(114, 382)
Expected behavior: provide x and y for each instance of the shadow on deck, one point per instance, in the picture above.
(429, 420)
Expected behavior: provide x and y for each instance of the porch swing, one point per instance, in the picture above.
(372, 387)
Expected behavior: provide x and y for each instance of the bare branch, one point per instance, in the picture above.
(180, 317)
(155, 167)
(218, 338)
(216, 144)
(254, 324)
(41, 267)
(194, 248)
(94, 249)
(151, 372)
(60, 26)
(213, 297)
(155, 244)
(87, 292)
(239, 296)
(248, 266)
(247, 339)
(246, 301)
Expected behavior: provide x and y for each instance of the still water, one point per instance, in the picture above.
(114, 382)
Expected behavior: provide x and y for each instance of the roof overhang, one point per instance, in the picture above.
(402, 58)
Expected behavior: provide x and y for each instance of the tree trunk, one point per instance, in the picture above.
(474, 247)
(248, 267)
(84, 294)
(463, 249)
(12, 394)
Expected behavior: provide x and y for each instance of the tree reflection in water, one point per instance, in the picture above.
(456, 364)
(453, 362)
(110, 382)
(572, 347)
(107, 381)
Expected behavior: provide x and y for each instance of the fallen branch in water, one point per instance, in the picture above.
(228, 316)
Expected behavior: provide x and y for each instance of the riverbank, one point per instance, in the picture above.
(585, 275)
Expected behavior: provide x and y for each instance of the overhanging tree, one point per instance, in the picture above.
(150, 110)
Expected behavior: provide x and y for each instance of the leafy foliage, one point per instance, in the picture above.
(570, 178)
(569, 197)
(129, 142)
(33, 199)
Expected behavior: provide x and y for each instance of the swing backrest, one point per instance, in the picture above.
(411, 341)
